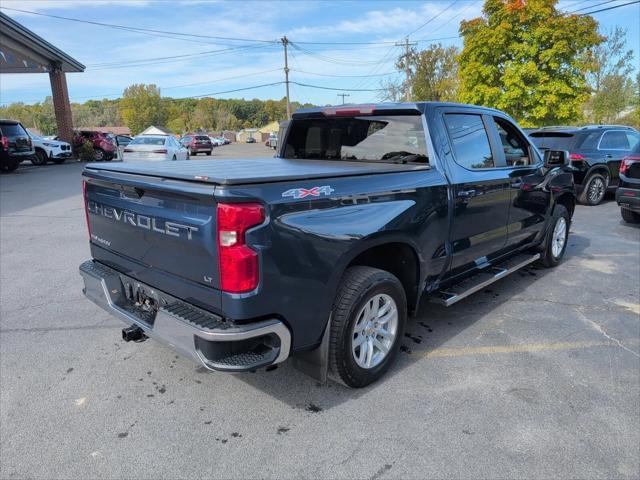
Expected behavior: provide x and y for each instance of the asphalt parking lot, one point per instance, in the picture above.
(536, 377)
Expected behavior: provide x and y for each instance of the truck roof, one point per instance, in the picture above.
(382, 108)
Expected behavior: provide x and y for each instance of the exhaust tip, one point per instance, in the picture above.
(133, 333)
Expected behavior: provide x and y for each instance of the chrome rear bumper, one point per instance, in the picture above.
(197, 334)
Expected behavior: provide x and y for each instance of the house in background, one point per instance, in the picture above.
(153, 130)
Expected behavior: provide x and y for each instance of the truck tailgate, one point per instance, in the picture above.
(161, 225)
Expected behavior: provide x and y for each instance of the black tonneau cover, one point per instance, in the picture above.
(253, 170)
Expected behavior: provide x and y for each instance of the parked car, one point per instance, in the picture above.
(596, 153)
(196, 143)
(321, 253)
(103, 144)
(250, 140)
(46, 150)
(628, 193)
(217, 141)
(15, 145)
(154, 148)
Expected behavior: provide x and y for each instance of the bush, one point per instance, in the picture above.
(86, 152)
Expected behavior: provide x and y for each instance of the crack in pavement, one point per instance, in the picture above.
(602, 331)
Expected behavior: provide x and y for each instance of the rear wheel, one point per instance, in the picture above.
(40, 158)
(99, 155)
(174, 158)
(9, 164)
(594, 189)
(555, 243)
(367, 325)
(629, 215)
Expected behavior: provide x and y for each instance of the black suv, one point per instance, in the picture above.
(15, 145)
(596, 154)
(628, 193)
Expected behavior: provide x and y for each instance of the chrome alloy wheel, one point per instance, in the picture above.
(374, 331)
(596, 190)
(559, 237)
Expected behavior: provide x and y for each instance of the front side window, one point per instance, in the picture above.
(470, 141)
(614, 140)
(376, 138)
(514, 146)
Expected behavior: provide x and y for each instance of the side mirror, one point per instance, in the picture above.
(556, 158)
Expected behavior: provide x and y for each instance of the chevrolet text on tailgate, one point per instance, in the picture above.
(321, 253)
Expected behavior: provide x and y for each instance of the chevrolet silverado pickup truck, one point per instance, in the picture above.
(321, 253)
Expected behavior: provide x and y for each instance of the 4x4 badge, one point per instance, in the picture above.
(306, 192)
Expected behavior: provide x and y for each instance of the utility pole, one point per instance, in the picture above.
(285, 42)
(407, 69)
(343, 95)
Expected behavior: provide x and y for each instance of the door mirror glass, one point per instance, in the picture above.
(556, 158)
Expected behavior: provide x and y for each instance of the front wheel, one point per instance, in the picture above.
(367, 324)
(99, 155)
(9, 164)
(40, 158)
(594, 189)
(555, 243)
(629, 215)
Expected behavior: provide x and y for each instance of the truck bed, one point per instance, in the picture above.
(254, 170)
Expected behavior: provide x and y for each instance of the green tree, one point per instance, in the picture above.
(612, 88)
(435, 73)
(528, 59)
(141, 106)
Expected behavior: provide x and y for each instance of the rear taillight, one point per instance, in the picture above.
(85, 196)
(5, 143)
(576, 157)
(239, 269)
(163, 150)
(626, 163)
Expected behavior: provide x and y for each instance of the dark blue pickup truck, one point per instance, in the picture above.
(322, 252)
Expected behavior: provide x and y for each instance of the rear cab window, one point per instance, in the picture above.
(375, 138)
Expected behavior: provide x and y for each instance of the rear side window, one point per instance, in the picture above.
(614, 140)
(633, 138)
(470, 140)
(588, 141)
(12, 129)
(552, 140)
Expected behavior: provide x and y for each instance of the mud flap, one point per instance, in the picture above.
(315, 363)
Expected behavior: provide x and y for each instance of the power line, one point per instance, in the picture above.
(610, 8)
(592, 6)
(337, 89)
(344, 76)
(253, 87)
(433, 18)
(139, 29)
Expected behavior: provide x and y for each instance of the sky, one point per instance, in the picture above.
(351, 44)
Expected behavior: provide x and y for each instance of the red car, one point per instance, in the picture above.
(103, 144)
(197, 144)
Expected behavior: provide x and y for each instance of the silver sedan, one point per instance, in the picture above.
(154, 148)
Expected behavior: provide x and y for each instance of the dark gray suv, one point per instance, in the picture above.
(596, 153)
(15, 145)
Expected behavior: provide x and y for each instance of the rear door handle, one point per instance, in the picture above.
(467, 193)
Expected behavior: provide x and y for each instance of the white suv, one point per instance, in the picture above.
(54, 150)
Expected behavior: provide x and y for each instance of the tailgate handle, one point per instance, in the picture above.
(132, 192)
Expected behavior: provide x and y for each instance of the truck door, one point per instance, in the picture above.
(480, 190)
(529, 202)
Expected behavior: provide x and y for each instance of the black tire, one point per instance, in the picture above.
(594, 189)
(9, 164)
(548, 258)
(40, 158)
(629, 215)
(358, 286)
(58, 161)
(209, 152)
(174, 158)
(99, 155)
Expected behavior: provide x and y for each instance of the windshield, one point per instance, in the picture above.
(392, 138)
(147, 141)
